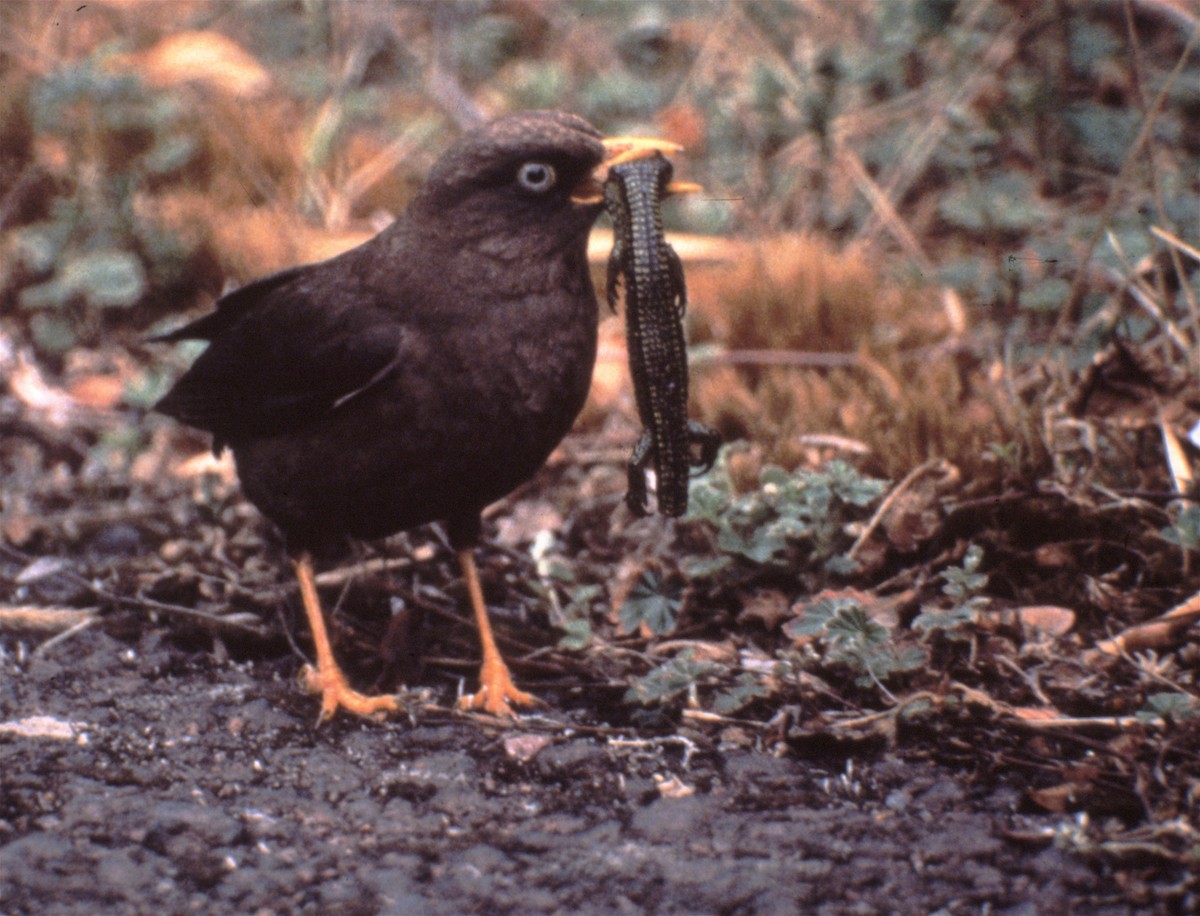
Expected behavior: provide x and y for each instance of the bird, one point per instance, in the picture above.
(420, 376)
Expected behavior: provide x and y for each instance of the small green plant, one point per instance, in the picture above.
(1007, 455)
(670, 679)
(963, 586)
(1176, 706)
(91, 253)
(577, 628)
(654, 601)
(685, 673)
(853, 638)
(746, 688)
(796, 518)
(1184, 531)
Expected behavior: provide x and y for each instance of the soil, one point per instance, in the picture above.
(144, 776)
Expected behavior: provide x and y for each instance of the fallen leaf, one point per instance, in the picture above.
(101, 392)
(208, 58)
(673, 787)
(1042, 622)
(768, 607)
(1053, 556)
(1055, 798)
(916, 514)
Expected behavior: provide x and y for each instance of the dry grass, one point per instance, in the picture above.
(814, 343)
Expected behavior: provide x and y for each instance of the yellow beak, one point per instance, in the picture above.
(626, 149)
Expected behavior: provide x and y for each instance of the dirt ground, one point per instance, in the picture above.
(142, 776)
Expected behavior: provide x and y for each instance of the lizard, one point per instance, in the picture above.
(655, 301)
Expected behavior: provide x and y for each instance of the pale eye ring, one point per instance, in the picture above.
(537, 177)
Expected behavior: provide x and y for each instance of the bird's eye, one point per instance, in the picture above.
(536, 176)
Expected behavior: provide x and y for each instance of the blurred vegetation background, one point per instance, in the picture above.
(923, 222)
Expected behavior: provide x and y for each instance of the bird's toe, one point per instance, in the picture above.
(336, 693)
(497, 694)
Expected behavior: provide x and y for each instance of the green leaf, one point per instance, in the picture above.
(707, 499)
(851, 486)
(1046, 296)
(170, 154)
(53, 294)
(52, 333)
(950, 621)
(146, 387)
(766, 542)
(880, 662)
(577, 635)
(792, 518)
(773, 475)
(817, 616)
(746, 690)
(1091, 43)
(1106, 133)
(582, 596)
(900, 661)
(696, 568)
(652, 601)
(1007, 202)
(841, 565)
(852, 625)
(866, 645)
(964, 581)
(1176, 706)
(1184, 532)
(106, 279)
(557, 569)
(668, 680)
(38, 247)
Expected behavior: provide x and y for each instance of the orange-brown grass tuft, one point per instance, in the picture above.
(816, 343)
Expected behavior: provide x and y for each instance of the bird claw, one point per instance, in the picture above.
(337, 693)
(496, 692)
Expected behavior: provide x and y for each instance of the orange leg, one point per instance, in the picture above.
(327, 678)
(496, 688)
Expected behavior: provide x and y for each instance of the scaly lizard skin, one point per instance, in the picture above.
(655, 299)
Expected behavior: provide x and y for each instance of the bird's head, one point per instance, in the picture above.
(524, 185)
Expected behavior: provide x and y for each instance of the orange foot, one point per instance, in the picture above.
(496, 691)
(336, 693)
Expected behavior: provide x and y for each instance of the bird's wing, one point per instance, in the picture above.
(283, 350)
(231, 307)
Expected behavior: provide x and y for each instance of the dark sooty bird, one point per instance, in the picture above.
(422, 375)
